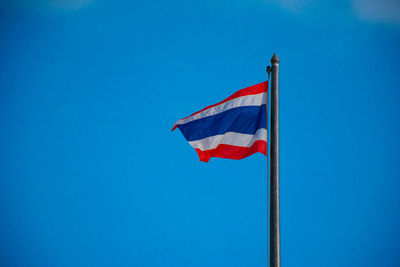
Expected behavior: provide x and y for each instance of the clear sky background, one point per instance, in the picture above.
(90, 174)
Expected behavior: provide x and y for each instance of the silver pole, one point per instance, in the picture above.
(275, 250)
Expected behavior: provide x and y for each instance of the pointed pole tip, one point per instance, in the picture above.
(274, 59)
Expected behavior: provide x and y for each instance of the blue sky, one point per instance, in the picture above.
(90, 174)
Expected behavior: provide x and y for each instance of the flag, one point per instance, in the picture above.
(234, 128)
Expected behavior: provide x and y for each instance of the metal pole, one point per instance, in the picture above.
(275, 250)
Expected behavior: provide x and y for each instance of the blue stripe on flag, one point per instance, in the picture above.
(246, 120)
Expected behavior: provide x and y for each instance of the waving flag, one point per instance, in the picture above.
(234, 128)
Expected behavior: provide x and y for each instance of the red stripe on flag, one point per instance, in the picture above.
(251, 90)
(233, 152)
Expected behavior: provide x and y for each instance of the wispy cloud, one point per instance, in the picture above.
(53, 4)
(378, 10)
(366, 10)
(69, 4)
(292, 5)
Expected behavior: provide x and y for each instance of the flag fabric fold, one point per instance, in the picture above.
(234, 128)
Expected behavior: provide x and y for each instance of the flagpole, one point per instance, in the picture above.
(274, 228)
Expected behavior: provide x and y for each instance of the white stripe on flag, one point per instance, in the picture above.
(248, 100)
(230, 138)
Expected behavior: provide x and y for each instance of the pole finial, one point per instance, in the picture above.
(274, 59)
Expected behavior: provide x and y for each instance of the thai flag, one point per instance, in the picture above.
(234, 128)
